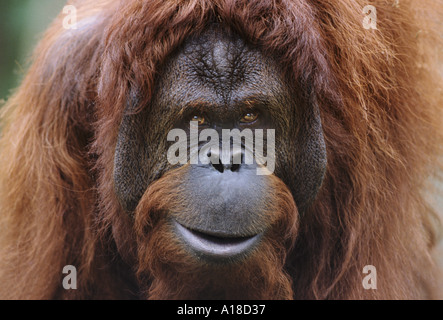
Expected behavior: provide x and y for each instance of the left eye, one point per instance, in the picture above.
(249, 117)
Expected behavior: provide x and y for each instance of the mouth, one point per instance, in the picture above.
(219, 247)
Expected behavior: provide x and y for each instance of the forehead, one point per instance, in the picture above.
(219, 68)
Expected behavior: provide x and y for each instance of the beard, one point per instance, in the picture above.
(167, 270)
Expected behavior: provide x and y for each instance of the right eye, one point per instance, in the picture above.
(199, 119)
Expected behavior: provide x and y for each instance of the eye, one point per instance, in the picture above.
(199, 119)
(249, 117)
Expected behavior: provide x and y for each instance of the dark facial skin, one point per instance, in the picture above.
(219, 78)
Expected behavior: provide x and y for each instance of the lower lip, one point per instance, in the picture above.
(216, 248)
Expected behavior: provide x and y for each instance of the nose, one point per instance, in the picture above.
(230, 160)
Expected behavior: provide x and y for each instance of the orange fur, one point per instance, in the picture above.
(380, 99)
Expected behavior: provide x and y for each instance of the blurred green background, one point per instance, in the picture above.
(22, 23)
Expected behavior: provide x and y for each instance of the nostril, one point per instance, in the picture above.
(233, 165)
(219, 167)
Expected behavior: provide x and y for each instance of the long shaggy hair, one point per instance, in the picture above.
(379, 94)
